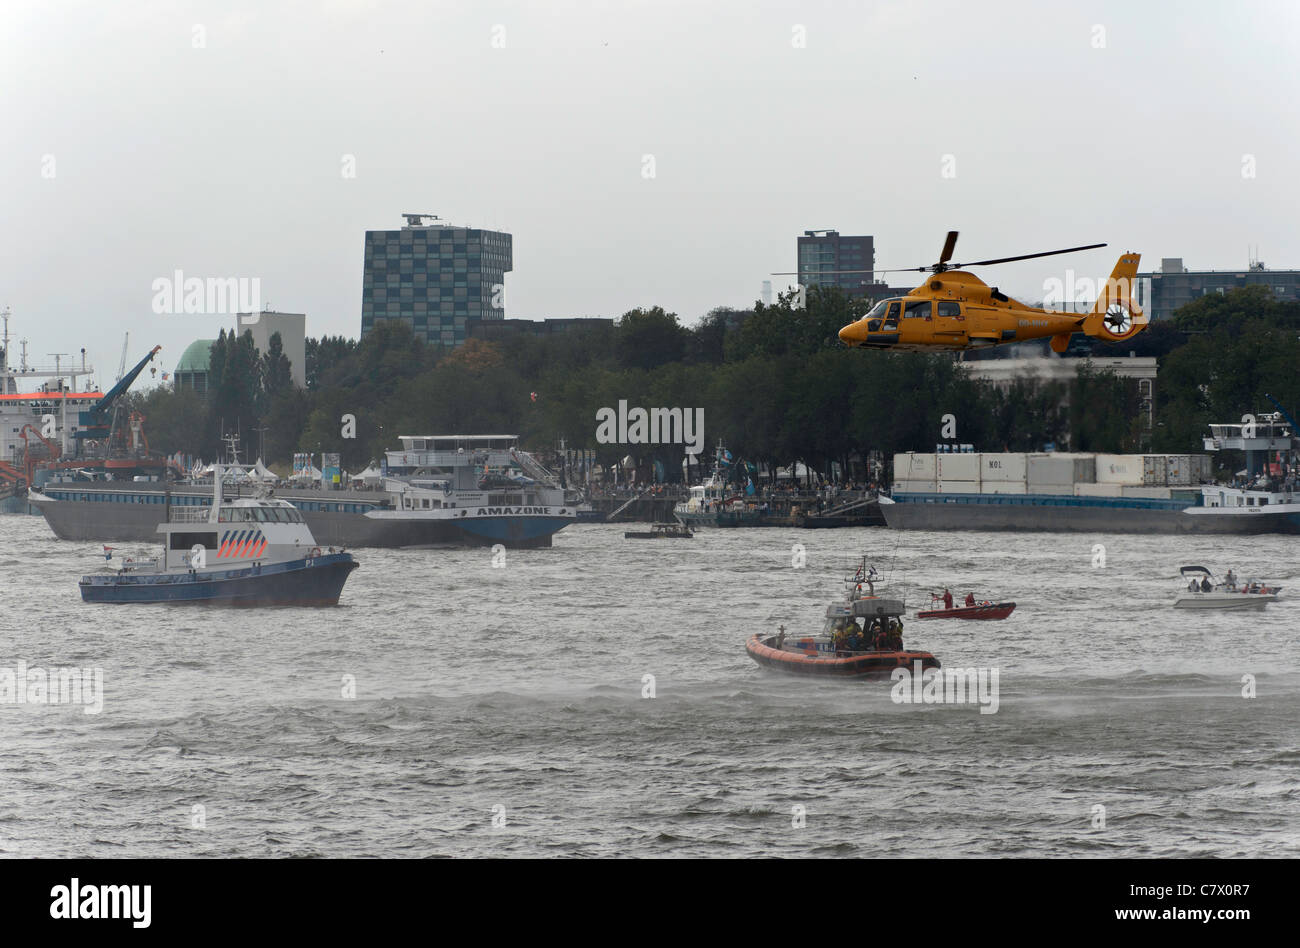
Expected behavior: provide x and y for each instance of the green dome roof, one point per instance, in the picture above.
(197, 357)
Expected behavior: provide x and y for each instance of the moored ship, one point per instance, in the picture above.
(1100, 493)
(469, 490)
(60, 426)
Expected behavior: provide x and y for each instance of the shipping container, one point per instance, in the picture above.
(1203, 469)
(1178, 470)
(959, 487)
(915, 487)
(914, 467)
(1002, 467)
(1150, 493)
(1120, 469)
(958, 467)
(1098, 490)
(1003, 487)
(1057, 469)
(1153, 470)
(1060, 490)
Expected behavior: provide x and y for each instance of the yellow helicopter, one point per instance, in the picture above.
(957, 310)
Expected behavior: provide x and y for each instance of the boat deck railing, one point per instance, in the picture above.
(189, 515)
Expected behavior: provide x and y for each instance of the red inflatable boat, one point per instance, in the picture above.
(981, 610)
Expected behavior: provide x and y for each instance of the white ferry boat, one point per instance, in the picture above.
(474, 488)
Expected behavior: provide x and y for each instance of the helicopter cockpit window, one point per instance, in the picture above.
(917, 309)
(949, 310)
(891, 321)
(879, 308)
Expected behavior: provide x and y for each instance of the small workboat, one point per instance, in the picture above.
(662, 531)
(980, 610)
(1204, 592)
(244, 551)
(844, 649)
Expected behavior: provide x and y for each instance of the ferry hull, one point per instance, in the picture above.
(1067, 514)
(115, 522)
(310, 582)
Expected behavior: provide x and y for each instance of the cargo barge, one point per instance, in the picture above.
(1103, 493)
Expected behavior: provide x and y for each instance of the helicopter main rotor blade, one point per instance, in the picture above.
(1025, 256)
(949, 246)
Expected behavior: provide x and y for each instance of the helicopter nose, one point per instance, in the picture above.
(854, 333)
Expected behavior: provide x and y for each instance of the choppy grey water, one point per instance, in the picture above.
(517, 692)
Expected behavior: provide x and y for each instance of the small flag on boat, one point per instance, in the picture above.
(108, 552)
(533, 396)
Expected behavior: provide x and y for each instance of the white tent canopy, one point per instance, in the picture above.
(371, 475)
(261, 472)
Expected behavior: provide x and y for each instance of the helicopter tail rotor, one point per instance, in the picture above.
(1116, 315)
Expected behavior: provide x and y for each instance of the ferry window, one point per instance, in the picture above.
(917, 309)
(949, 309)
(424, 502)
(183, 541)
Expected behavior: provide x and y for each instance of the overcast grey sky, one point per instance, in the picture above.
(129, 151)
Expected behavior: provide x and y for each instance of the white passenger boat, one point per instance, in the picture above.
(1203, 592)
(243, 552)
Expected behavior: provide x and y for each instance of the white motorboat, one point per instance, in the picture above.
(1203, 592)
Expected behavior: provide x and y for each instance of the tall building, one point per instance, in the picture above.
(1174, 285)
(435, 277)
(292, 328)
(825, 254)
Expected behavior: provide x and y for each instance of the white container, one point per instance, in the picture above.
(1120, 469)
(958, 467)
(1060, 490)
(1003, 487)
(914, 467)
(1203, 471)
(1150, 493)
(1003, 467)
(1054, 469)
(959, 487)
(915, 487)
(1098, 490)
